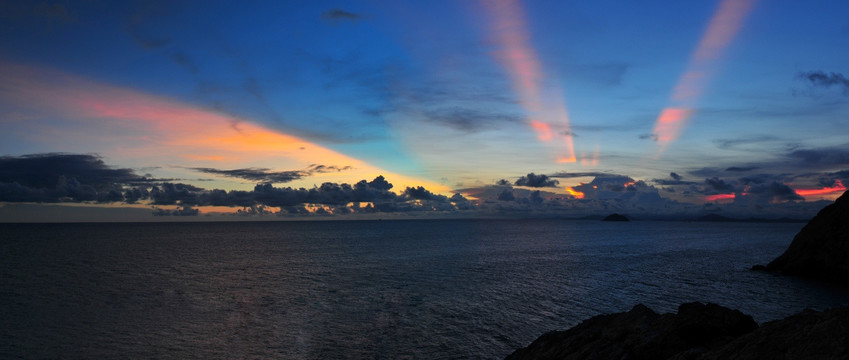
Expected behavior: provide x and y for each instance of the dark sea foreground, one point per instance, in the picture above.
(367, 289)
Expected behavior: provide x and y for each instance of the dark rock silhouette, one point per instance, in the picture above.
(697, 332)
(642, 334)
(808, 335)
(821, 249)
(615, 217)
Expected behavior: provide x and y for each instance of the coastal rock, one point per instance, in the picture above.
(806, 335)
(642, 334)
(615, 217)
(703, 332)
(821, 249)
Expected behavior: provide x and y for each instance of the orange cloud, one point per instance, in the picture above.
(720, 197)
(129, 126)
(723, 27)
(838, 187)
(577, 194)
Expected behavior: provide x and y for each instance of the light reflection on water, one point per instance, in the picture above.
(381, 289)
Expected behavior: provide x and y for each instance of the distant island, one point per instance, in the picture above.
(616, 217)
(698, 331)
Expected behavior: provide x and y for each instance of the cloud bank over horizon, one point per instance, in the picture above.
(60, 178)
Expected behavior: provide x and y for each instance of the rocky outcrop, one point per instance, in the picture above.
(821, 249)
(642, 334)
(808, 335)
(698, 331)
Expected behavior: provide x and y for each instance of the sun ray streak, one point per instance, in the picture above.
(723, 27)
(518, 57)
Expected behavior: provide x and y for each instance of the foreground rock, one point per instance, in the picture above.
(821, 249)
(697, 332)
(642, 334)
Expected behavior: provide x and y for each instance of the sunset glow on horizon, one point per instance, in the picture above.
(447, 109)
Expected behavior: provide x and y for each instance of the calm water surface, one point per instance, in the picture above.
(367, 289)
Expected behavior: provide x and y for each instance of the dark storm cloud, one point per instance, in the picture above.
(502, 182)
(467, 119)
(675, 176)
(339, 15)
(58, 177)
(533, 180)
(822, 79)
(45, 170)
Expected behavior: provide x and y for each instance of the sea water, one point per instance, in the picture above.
(435, 289)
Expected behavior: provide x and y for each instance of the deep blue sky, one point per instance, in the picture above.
(690, 100)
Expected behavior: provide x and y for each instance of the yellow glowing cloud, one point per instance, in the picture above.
(144, 129)
(723, 27)
(523, 65)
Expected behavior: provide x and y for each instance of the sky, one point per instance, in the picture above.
(180, 110)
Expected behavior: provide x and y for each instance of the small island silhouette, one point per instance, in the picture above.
(616, 217)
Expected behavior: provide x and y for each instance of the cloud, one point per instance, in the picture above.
(184, 210)
(340, 15)
(821, 157)
(652, 137)
(568, 175)
(266, 175)
(420, 193)
(45, 170)
(821, 79)
(676, 180)
(533, 180)
(468, 120)
(741, 168)
(719, 185)
(258, 174)
(506, 195)
(747, 140)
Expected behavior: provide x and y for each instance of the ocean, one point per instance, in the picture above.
(405, 289)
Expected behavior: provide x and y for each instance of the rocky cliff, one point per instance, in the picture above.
(821, 249)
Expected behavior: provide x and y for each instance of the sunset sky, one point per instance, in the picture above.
(122, 110)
